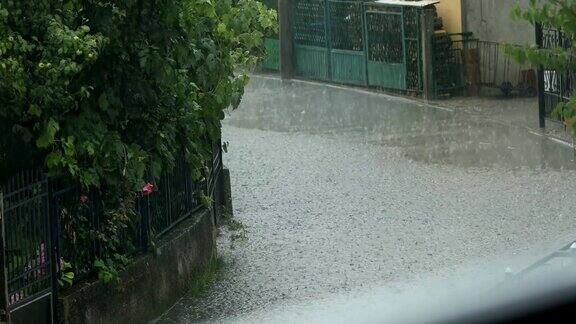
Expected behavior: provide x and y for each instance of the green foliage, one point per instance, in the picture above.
(560, 15)
(205, 278)
(238, 231)
(205, 200)
(107, 93)
(109, 269)
(249, 32)
(66, 275)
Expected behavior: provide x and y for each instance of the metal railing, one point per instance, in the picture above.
(449, 52)
(500, 71)
(26, 238)
(46, 221)
(554, 85)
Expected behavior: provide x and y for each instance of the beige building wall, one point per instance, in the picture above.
(451, 13)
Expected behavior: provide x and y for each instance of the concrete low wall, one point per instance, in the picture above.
(153, 282)
(149, 285)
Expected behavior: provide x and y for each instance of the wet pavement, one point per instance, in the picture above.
(513, 111)
(345, 190)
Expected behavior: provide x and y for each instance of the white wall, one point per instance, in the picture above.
(490, 20)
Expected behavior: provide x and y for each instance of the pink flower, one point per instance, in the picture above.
(148, 189)
(83, 199)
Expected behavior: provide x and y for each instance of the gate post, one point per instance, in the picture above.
(540, 74)
(427, 29)
(54, 224)
(4, 313)
(286, 39)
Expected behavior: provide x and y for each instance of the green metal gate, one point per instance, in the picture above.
(355, 42)
(310, 39)
(272, 59)
(272, 44)
(386, 51)
(329, 40)
(347, 51)
(413, 45)
(393, 47)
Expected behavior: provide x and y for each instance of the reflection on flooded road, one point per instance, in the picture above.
(344, 190)
(426, 134)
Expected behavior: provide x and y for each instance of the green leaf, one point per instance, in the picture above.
(99, 264)
(34, 110)
(105, 276)
(47, 137)
(53, 160)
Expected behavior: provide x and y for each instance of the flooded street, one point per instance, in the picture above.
(344, 190)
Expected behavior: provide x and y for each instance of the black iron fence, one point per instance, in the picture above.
(462, 62)
(498, 70)
(449, 52)
(47, 221)
(27, 242)
(555, 86)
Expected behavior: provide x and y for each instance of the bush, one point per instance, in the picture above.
(107, 93)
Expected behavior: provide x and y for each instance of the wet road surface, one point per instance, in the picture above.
(344, 190)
